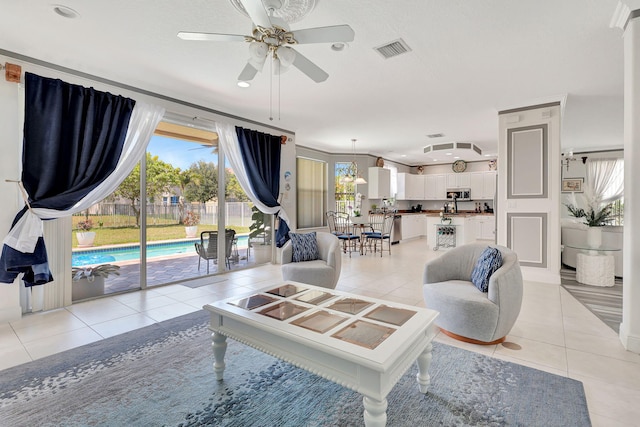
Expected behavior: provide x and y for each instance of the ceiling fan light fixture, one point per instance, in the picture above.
(258, 51)
(286, 55)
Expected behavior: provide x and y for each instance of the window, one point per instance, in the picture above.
(344, 191)
(311, 192)
(617, 212)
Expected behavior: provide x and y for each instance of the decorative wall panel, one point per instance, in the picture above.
(527, 150)
(527, 236)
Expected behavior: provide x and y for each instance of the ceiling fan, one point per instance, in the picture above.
(271, 37)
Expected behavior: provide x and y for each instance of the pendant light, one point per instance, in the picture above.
(357, 179)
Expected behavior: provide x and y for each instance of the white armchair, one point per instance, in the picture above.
(324, 271)
(466, 313)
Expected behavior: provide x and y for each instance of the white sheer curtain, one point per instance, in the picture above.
(144, 120)
(604, 181)
(228, 141)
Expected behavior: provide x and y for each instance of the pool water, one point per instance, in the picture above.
(131, 253)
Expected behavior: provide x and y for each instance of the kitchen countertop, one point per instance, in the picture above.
(434, 213)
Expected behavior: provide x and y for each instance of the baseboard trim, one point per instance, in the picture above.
(10, 314)
(629, 341)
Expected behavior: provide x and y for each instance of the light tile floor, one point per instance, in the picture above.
(554, 332)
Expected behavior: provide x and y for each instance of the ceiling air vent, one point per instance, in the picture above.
(435, 135)
(394, 48)
(445, 146)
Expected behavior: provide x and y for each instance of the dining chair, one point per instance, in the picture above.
(331, 222)
(381, 232)
(346, 232)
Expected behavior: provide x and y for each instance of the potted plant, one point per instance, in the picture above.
(88, 282)
(594, 219)
(260, 236)
(191, 221)
(84, 234)
(446, 220)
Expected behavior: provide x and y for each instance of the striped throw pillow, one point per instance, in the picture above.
(305, 247)
(489, 261)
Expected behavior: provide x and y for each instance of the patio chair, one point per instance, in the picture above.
(208, 247)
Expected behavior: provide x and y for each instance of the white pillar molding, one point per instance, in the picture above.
(627, 18)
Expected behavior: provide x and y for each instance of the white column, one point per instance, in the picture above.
(627, 17)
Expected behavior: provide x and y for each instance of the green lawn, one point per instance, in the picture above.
(114, 236)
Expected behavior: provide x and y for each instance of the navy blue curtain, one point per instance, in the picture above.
(261, 157)
(73, 139)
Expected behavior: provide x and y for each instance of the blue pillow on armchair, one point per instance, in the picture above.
(489, 261)
(305, 247)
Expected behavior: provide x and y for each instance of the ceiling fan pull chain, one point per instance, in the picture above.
(279, 90)
(271, 89)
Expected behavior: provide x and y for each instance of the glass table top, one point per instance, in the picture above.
(585, 247)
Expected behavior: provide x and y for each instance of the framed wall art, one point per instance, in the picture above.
(572, 185)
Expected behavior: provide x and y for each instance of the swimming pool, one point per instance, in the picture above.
(131, 253)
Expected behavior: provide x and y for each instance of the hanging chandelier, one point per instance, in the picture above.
(351, 174)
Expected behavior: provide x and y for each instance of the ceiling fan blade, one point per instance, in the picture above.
(336, 33)
(257, 12)
(185, 35)
(248, 73)
(314, 72)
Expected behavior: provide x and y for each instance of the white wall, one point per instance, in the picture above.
(9, 194)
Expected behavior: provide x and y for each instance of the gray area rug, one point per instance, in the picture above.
(604, 302)
(162, 375)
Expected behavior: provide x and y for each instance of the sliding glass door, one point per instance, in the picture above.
(178, 181)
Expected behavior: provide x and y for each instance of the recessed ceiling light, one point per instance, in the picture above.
(338, 47)
(65, 11)
(244, 84)
(404, 155)
(448, 154)
(456, 157)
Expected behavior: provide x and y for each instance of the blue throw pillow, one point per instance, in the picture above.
(489, 261)
(305, 247)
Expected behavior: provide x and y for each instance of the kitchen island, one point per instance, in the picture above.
(469, 226)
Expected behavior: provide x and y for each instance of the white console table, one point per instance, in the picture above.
(595, 266)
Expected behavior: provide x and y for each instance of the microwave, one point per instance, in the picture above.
(460, 194)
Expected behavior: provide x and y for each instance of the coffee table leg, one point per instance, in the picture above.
(375, 412)
(219, 349)
(423, 377)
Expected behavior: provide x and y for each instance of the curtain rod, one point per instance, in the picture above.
(77, 73)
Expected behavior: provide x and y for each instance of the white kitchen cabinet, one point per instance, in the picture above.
(410, 187)
(379, 183)
(483, 185)
(477, 185)
(413, 225)
(459, 180)
(435, 187)
(489, 185)
(485, 227)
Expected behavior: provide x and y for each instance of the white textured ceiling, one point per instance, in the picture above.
(469, 60)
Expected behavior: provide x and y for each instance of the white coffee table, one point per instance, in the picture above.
(361, 343)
